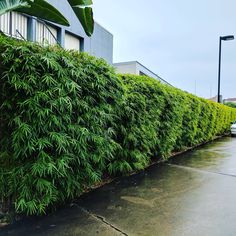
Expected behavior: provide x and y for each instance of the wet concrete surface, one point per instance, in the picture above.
(193, 194)
(218, 157)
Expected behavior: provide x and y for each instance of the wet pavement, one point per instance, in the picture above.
(192, 194)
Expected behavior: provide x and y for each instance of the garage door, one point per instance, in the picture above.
(46, 34)
(72, 42)
(14, 24)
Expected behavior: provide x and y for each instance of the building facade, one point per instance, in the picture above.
(214, 99)
(25, 27)
(100, 44)
(230, 100)
(136, 68)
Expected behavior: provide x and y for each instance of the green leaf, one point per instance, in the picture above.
(80, 2)
(44, 10)
(10, 5)
(84, 14)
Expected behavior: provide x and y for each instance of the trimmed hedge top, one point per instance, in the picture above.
(67, 120)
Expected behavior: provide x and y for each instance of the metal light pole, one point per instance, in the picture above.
(222, 38)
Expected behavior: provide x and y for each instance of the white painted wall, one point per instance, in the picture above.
(123, 68)
(135, 68)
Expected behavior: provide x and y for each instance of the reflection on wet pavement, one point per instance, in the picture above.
(219, 156)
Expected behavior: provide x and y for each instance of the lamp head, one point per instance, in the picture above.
(227, 38)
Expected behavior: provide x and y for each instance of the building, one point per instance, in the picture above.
(100, 44)
(136, 68)
(30, 28)
(214, 99)
(230, 100)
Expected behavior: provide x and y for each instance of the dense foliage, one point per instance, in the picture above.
(57, 112)
(157, 119)
(231, 104)
(66, 120)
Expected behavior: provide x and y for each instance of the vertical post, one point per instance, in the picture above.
(218, 97)
(31, 26)
(61, 37)
(10, 23)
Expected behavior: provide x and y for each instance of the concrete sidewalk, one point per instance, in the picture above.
(193, 194)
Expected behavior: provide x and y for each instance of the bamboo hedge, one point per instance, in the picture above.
(67, 120)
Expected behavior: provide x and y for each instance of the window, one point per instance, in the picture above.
(72, 42)
(46, 34)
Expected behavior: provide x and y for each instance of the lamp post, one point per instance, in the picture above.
(222, 38)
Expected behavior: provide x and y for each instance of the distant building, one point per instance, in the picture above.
(136, 68)
(25, 27)
(230, 100)
(213, 99)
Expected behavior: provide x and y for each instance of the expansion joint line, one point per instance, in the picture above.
(103, 220)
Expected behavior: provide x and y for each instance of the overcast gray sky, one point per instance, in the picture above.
(177, 39)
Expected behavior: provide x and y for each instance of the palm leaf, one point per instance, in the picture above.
(38, 8)
(44, 10)
(84, 13)
(10, 5)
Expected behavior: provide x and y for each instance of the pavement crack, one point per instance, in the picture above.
(200, 170)
(103, 220)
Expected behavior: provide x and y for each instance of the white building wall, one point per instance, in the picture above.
(126, 68)
(99, 45)
(101, 42)
(136, 68)
(140, 69)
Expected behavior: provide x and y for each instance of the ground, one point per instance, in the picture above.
(193, 194)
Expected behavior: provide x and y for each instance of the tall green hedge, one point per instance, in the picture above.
(67, 120)
(57, 123)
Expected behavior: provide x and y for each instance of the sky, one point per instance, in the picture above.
(176, 39)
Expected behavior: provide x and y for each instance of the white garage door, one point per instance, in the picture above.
(72, 42)
(46, 34)
(5, 23)
(18, 25)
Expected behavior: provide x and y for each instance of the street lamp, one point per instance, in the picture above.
(222, 38)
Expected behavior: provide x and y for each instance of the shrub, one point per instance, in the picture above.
(160, 119)
(56, 123)
(231, 104)
(66, 119)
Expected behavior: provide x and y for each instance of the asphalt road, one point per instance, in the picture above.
(194, 194)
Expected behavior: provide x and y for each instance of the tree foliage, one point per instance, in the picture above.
(231, 104)
(66, 119)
